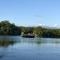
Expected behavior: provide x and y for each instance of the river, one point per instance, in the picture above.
(19, 48)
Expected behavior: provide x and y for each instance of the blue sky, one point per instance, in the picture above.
(31, 12)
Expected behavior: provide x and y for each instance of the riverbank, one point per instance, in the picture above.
(10, 29)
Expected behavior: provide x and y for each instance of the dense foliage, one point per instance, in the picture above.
(7, 28)
(42, 32)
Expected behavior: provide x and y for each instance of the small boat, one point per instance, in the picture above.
(28, 35)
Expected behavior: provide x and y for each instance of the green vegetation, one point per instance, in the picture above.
(6, 28)
(42, 32)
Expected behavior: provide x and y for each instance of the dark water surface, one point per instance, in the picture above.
(18, 48)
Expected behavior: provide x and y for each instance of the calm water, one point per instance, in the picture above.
(18, 48)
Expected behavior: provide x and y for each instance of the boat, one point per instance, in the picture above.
(28, 35)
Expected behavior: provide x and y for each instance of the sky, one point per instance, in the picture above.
(31, 12)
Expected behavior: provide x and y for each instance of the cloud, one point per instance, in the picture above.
(55, 25)
(41, 24)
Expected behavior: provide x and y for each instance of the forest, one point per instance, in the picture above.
(7, 28)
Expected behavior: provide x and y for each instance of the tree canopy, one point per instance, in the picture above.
(7, 28)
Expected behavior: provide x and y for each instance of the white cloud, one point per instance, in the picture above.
(41, 24)
(55, 25)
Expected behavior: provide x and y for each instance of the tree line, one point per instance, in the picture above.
(7, 28)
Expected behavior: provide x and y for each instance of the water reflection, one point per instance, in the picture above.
(5, 41)
(47, 40)
(19, 48)
(32, 40)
